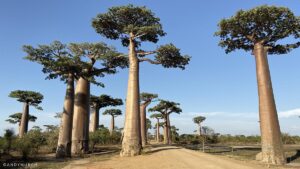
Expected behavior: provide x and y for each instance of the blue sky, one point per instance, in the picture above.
(219, 86)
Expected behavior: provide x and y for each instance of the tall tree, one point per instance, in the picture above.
(166, 108)
(58, 62)
(109, 60)
(29, 98)
(69, 62)
(146, 99)
(148, 126)
(16, 118)
(98, 102)
(114, 113)
(157, 117)
(198, 120)
(261, 30)
(134, 25)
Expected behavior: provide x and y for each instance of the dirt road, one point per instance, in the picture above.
(166, 158)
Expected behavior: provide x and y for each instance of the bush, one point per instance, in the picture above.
(51, 137)
(30, 143)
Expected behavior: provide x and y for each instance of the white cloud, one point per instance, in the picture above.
(289, 113)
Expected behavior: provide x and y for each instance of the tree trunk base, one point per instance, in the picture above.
(78, 147)
(63, 150)
(270, 158)
(130, 150)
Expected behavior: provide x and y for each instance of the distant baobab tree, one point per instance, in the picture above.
(146, 99)
(16, 118)
(29, 98)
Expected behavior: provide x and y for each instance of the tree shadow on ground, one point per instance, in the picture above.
(156, 149)
(293, 157)
(13, 162)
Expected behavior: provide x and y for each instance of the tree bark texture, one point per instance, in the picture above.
(94, 123)
(157, 131)
(24, 120)
(143, 120)
(112, 125)
(169, 130)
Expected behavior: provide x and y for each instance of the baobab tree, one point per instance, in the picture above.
(198, 120)
(98, 102)
(157, 117)
(29, 98)
(146, 99)
(134, 25)
(148, 126)
(261, 31)
(69, 63)
(16, 118)
(109, 60)
(166, 108)
(58, 62)
(113, 113)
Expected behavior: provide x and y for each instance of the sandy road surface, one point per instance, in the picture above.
(166, 158)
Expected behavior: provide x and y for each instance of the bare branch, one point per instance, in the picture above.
(139, 35)
(143, 53)
(149, 60)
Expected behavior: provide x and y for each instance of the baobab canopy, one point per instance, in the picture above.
(146, 97)
(264, 24)
(120, 21)
(112, 112)
(199, 119)
(166, 107)
(140, 24)
(30, 97)
(60, 59)
(16, 118)
(104, 101)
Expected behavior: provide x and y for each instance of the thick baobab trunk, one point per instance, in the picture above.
(65, 131)
(169, 130)
(19, 128)
(94, 119)
(200, 130)
(80, 118)
(166, 139)
(131, 144)
(272, 150)
(112, 125)
(157, 131)
(24, 120)
(143, 122)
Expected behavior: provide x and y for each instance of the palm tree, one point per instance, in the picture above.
(16, 118)
(146, 99)
(261, 31)
(114, 113)
(134, 25)
(29, 98)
